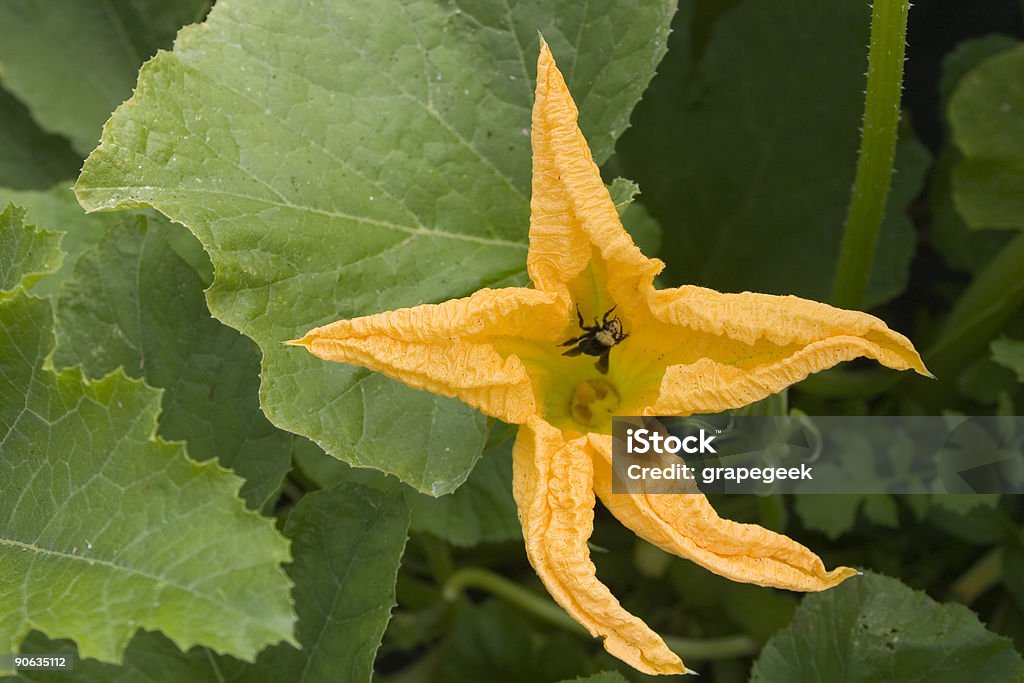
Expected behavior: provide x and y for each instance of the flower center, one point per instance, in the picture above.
(593, 402)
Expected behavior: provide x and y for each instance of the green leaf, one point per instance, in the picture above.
(972, 518)
(348, 542)
(873, 628)
(135, 301)
(834, 515)
(1009, 353)
(150, 657)
(831, 515)
(986, 114)
(493, 642)
(962, 247)
(1013, 569)
(644, 230)
(984, 381)
(965, 57)
(26, 254)
(57, 210)
(746, 153)
(881, 510)
(340, 159)
(56, 52)
(603, 677)
(623, 191)
(92, 506)
(481, 511)
(759, 611)
(29, 157)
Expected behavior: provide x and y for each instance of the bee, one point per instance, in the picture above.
(597, 339)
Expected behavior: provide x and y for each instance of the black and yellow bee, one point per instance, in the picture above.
(597, 339)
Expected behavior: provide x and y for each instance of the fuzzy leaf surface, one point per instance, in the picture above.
(56, 210)
(874, 628)
(135, 301)
(348, 542)
(481, 511)
(26, 253)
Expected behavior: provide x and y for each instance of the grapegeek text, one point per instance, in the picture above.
(642, 441)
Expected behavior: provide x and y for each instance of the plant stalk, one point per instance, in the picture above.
(877, 151)
(982, 575)
(694, 649)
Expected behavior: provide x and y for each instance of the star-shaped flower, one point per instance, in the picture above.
(520, 355)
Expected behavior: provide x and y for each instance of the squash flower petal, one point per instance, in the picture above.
(686, 525)
(553, 485)
(661, 352)
(418, 346)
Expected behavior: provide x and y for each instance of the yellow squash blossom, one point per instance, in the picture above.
(671, 352)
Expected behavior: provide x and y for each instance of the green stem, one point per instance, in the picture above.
(695, 649)
(438, 556)
(877, 150)
(981, 312)
(705, 649)
(512, 593)
(292, 490)
(979, 578)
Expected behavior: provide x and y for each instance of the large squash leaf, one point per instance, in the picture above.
(986, 113)
(343, 158)
(105, 529)
(347, 541)
(26, 253)
(873, 628)
(136, 301)
(56, 210)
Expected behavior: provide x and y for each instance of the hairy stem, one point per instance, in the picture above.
(877, 150)
(696, 649)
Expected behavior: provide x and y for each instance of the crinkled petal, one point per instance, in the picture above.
(553, 487)
(447, 348)
(685, 524)
(572, 216)
(728, 350)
